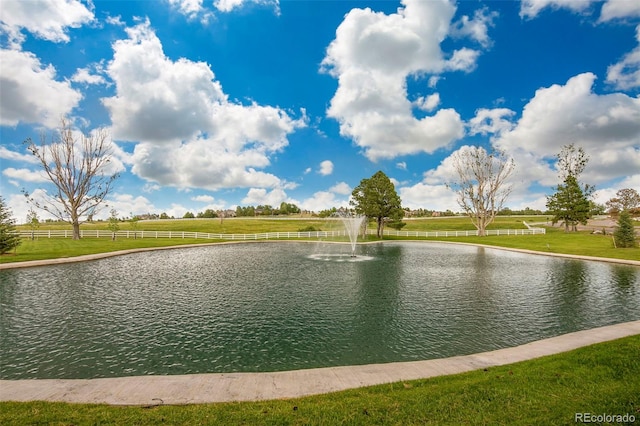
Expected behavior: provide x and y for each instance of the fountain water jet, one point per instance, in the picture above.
(352, 224)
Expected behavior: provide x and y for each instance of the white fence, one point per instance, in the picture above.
(265, 235)
(530, 231)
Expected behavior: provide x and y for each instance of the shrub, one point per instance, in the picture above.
(9, 238)
(624, 235)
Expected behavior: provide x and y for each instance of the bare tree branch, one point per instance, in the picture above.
(571, 161)
(76, 166)
(481, 185)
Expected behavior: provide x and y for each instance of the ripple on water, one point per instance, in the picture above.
(266, 307)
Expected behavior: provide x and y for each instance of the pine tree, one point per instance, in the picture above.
(377, 199)
(624, 235)
(9, 238)
(569, 205)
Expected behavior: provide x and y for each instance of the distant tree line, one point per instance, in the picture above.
(207, 214)
(267, 210)
(248, 211)
(427, 212)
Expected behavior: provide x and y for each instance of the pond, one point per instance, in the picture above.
(284, 306)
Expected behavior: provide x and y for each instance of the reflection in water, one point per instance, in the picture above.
(624, 276)
(625, 288)
(266, 307)
(375, 316)
(569, 279)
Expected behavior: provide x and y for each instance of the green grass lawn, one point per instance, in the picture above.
(226, 226)
(461, 223)
(598, 379)
(557, 241)
(53, 248)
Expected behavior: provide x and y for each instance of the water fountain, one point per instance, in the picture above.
(352, 224)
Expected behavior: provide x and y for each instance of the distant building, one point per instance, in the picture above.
(227, 213)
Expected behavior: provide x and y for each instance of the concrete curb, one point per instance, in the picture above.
(206, 388)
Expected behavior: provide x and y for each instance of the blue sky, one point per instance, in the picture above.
(248, 102)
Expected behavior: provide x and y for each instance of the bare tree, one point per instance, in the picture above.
(76, 164)
(481, 185)
(571, 161)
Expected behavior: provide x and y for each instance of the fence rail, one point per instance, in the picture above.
(531, 231)
(265, 235)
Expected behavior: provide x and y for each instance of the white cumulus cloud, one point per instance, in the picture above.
(30, 91)
(428, 103)
(230, 5)
(611, 9)
(615, 9)
(606, 126)
(492, 121)
(20, 206)
(477, 27)
(326, 168)
(341, 188)
(372, 56)
(187, 131)
(25, 175)
(86, 76)
(203, 198)
(8, 154)
(625, 74)
(531, 8)
(189, 8)
(323, 200)
(427, 196)
(125, 205)
(46, 19)
(260, 196)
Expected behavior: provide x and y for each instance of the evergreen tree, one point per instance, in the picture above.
(377, 199)
(9, 238)
(569, 205)
(625, 235)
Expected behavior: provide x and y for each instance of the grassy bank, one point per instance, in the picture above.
(554, 241)
(557, 241)
(603, 378)
(54, 248)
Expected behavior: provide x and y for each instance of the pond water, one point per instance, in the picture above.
(283, 306)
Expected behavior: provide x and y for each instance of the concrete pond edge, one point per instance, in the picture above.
(227, 387)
